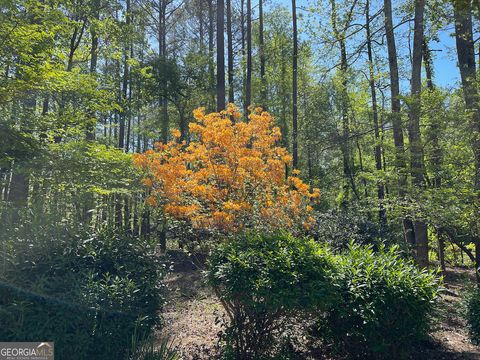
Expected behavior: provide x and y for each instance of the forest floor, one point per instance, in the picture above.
(192, 317)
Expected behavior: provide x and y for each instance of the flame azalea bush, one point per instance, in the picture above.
(230, 176)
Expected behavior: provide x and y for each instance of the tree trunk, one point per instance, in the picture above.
(378, 151)
(162, 235)
(129, 101)
(201, 34)
(92, 121)
(211, 71)
(243, 48)
(220, 56)
(90, 133)
(162, 51)
(396, 117)
(248, 85)
(183, 124)
(145, 225)
(437, 155)
(118, 208)
(294, 87)
(349, 177)
(466, 63)
(231, 96)
(18, 192)
(263, 80)
(414, 135)
(441, 251)
(121, 130)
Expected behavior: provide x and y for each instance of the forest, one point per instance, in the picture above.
(238, 179)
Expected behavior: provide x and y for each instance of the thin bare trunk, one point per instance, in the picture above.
(378, 151)
(248, 85)
(220, 56)
(263, 90)
(294, 87)
(400, 163)
(231, 96)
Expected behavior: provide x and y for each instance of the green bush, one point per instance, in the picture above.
(473, 314)
(385, 303)
(261, 281)
(150, 349)
(338, 227)
(89, 293)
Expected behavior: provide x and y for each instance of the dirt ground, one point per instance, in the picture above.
(192, 317)
(451, 340)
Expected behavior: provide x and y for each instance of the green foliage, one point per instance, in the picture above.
(337, 228)
(83, 167)
(261, 280)
(385, 303)
(90, 293)
(15, 146)
(147, 349)
(473, 314)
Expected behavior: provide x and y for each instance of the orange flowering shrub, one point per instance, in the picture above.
(230, 176)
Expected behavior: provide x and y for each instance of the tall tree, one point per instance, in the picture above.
(466, 62)
(220, 56)
(211, 71)
(248, 84)
(378, 150)
(231, 96)
(294, 87)
(261, 45)
(161, 21)
(90, 133)
(339, 33)
(126, 54)
(400, 163)
(436, 157)
(414, 135)
(243, 48)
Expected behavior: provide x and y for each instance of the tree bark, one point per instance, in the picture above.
(211, 71)
(90, 133)
(400, 163)
(466, 63)
(416, 149)
(243, 48)
(220, 56)
(294, 87)
(248, 85)
(123, 115)
(162, 52)
(18, 192)
(378, 151)
(261, 45)
(231, 94)
(348, 173)
(437, 155)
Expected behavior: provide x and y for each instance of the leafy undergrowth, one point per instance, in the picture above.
(193, 312)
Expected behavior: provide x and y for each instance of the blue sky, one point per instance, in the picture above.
(446, 73)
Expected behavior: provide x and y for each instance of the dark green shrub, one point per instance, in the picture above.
(338, 228)
(89, 293)
(261, 280)
(473, 314)
(150, 349)
(385, 303)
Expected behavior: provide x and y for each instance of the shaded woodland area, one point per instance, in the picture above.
(355, 134)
